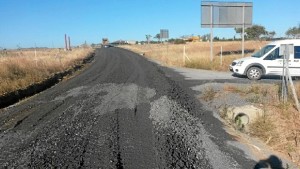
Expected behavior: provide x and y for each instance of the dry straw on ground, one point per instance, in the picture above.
(198, 53)
(21, 68)
(279, 126)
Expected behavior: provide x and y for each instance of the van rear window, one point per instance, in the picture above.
(297, 52)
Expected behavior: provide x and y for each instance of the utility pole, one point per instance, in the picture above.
(66, 43)
(148, 37)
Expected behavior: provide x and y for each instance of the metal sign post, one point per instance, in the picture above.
(243, 33)
(164, 34)
(211, 33)
(286, 50)
(226, 15)
(284, 87)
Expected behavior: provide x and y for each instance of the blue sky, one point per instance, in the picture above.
(25, 23)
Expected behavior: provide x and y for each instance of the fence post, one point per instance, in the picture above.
(293, 90)
(221, 55)
(183, 55)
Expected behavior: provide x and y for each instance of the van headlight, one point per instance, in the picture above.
(240, 63)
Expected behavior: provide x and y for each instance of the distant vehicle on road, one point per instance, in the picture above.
(268, 61)
(108, 46)
(105, 43)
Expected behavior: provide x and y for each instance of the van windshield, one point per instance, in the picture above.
(263, 51)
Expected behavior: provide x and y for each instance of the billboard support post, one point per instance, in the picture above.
(226, 15)
(243, 34)
(164, 34)
(211, 34)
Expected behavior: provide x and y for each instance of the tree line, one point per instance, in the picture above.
(259, 32)
(255, 32)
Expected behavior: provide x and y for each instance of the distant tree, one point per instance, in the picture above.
(216, 38)
(293, 32)
(148, 38)
(93, 45)
(19, 47)
(157, 36)
(205, 37)
(84, 45)
(176, 41)
(179, 41)
(239, 31)
(255, 32)
(271, 34)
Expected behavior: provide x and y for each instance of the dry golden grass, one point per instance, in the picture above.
(297, 86)
(198, 53)
(279, 127)
(19, 69)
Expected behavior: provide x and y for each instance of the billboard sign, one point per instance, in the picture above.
(226, 14)
(164, 34)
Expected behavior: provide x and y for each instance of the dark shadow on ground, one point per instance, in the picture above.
(272, 162)
(262, 78)
(269, 77)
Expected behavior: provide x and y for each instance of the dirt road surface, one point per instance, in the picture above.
(121, 112)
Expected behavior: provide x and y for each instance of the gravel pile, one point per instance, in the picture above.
(169, 115)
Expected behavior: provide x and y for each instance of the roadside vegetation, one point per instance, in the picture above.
(279, 124)
(197, 54)
(22, 68)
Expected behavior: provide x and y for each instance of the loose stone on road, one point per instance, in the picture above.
(122, 112)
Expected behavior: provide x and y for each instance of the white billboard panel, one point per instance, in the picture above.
(164, 34)
(226, 14)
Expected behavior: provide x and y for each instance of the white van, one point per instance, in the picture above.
(268, 61)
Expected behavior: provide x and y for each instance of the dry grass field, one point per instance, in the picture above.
(21, 68)
(198, 54)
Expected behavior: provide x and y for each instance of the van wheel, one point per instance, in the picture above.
(254, 73)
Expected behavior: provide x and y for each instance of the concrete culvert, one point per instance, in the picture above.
(246, 114)
(242, 119)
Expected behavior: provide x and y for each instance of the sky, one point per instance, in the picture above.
(43, 23)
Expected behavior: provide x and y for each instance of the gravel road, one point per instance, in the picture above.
(121, 112)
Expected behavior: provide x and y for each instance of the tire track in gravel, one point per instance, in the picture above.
(117, 149)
